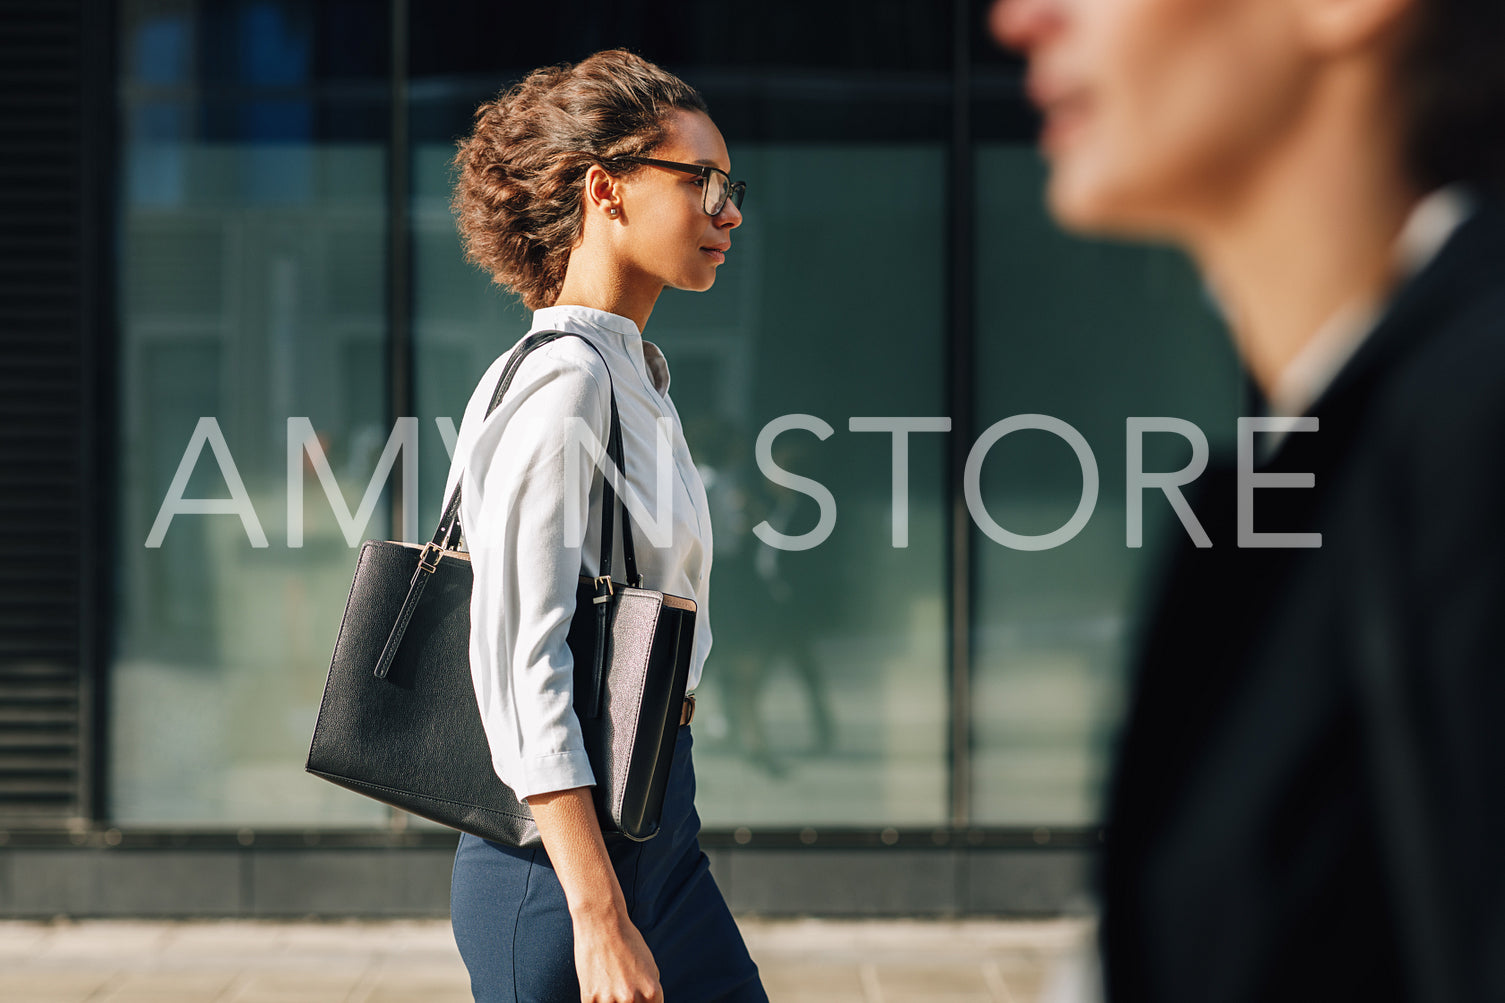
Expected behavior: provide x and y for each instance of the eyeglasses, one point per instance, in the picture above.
(718, 185)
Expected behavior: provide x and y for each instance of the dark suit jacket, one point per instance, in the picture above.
(1309, 800)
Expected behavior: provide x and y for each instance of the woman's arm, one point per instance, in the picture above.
(518, 489)
(611, 957)
(523, 478)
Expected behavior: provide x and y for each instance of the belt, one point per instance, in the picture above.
(687, 712)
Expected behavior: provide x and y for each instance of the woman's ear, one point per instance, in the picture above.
(602, 191)
(1339, 27)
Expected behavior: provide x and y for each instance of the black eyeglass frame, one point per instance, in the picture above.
(735, 190)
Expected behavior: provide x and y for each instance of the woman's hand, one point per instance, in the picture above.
(613, 961)
(611, 957)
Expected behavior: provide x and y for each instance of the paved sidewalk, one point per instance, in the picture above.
(803, 961)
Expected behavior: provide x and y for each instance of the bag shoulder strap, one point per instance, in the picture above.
(448, 532)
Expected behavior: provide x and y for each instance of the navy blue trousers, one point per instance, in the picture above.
(513, 927)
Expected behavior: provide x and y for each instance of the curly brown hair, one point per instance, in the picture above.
(519, 175)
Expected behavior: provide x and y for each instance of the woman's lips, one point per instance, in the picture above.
(716, 254)
(1064, 118)
(1063, 106)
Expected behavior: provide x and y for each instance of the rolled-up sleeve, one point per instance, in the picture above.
(520, 505)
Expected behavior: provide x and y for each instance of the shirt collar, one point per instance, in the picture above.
(614, 329)
(587, 320)
(1308, 375)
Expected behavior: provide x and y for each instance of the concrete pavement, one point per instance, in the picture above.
(803, 961)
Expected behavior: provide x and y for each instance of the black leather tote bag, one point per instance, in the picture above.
(399, 720)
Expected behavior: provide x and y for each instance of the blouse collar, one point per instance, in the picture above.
(587, 320)
(615, 330)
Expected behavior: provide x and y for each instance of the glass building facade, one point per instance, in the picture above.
(297, 334)
(258, 288)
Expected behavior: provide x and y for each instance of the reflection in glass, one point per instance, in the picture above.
(1091, 334)
(252, 291)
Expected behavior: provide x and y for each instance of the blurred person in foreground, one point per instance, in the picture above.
(1309, 796)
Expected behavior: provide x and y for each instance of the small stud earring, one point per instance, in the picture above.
(612, 212)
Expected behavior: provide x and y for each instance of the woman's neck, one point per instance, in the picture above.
(1312, 233)
(594, 283)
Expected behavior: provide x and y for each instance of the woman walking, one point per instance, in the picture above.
(586, 189)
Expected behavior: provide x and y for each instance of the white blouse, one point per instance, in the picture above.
(516, 470)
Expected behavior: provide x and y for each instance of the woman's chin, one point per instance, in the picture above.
(697, 283)
(1093, 208)
(1075, 203)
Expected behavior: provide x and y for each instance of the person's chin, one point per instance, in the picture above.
(1072, 200)
(1091, 206)
(697, 281)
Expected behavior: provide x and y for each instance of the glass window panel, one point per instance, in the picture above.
(1089, 333)
(824, 698)
(252, 290)
(825, 691)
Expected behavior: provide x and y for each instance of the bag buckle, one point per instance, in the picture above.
(431, 556)
(601, 597)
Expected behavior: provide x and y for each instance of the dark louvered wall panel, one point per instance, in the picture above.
(45, 414)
